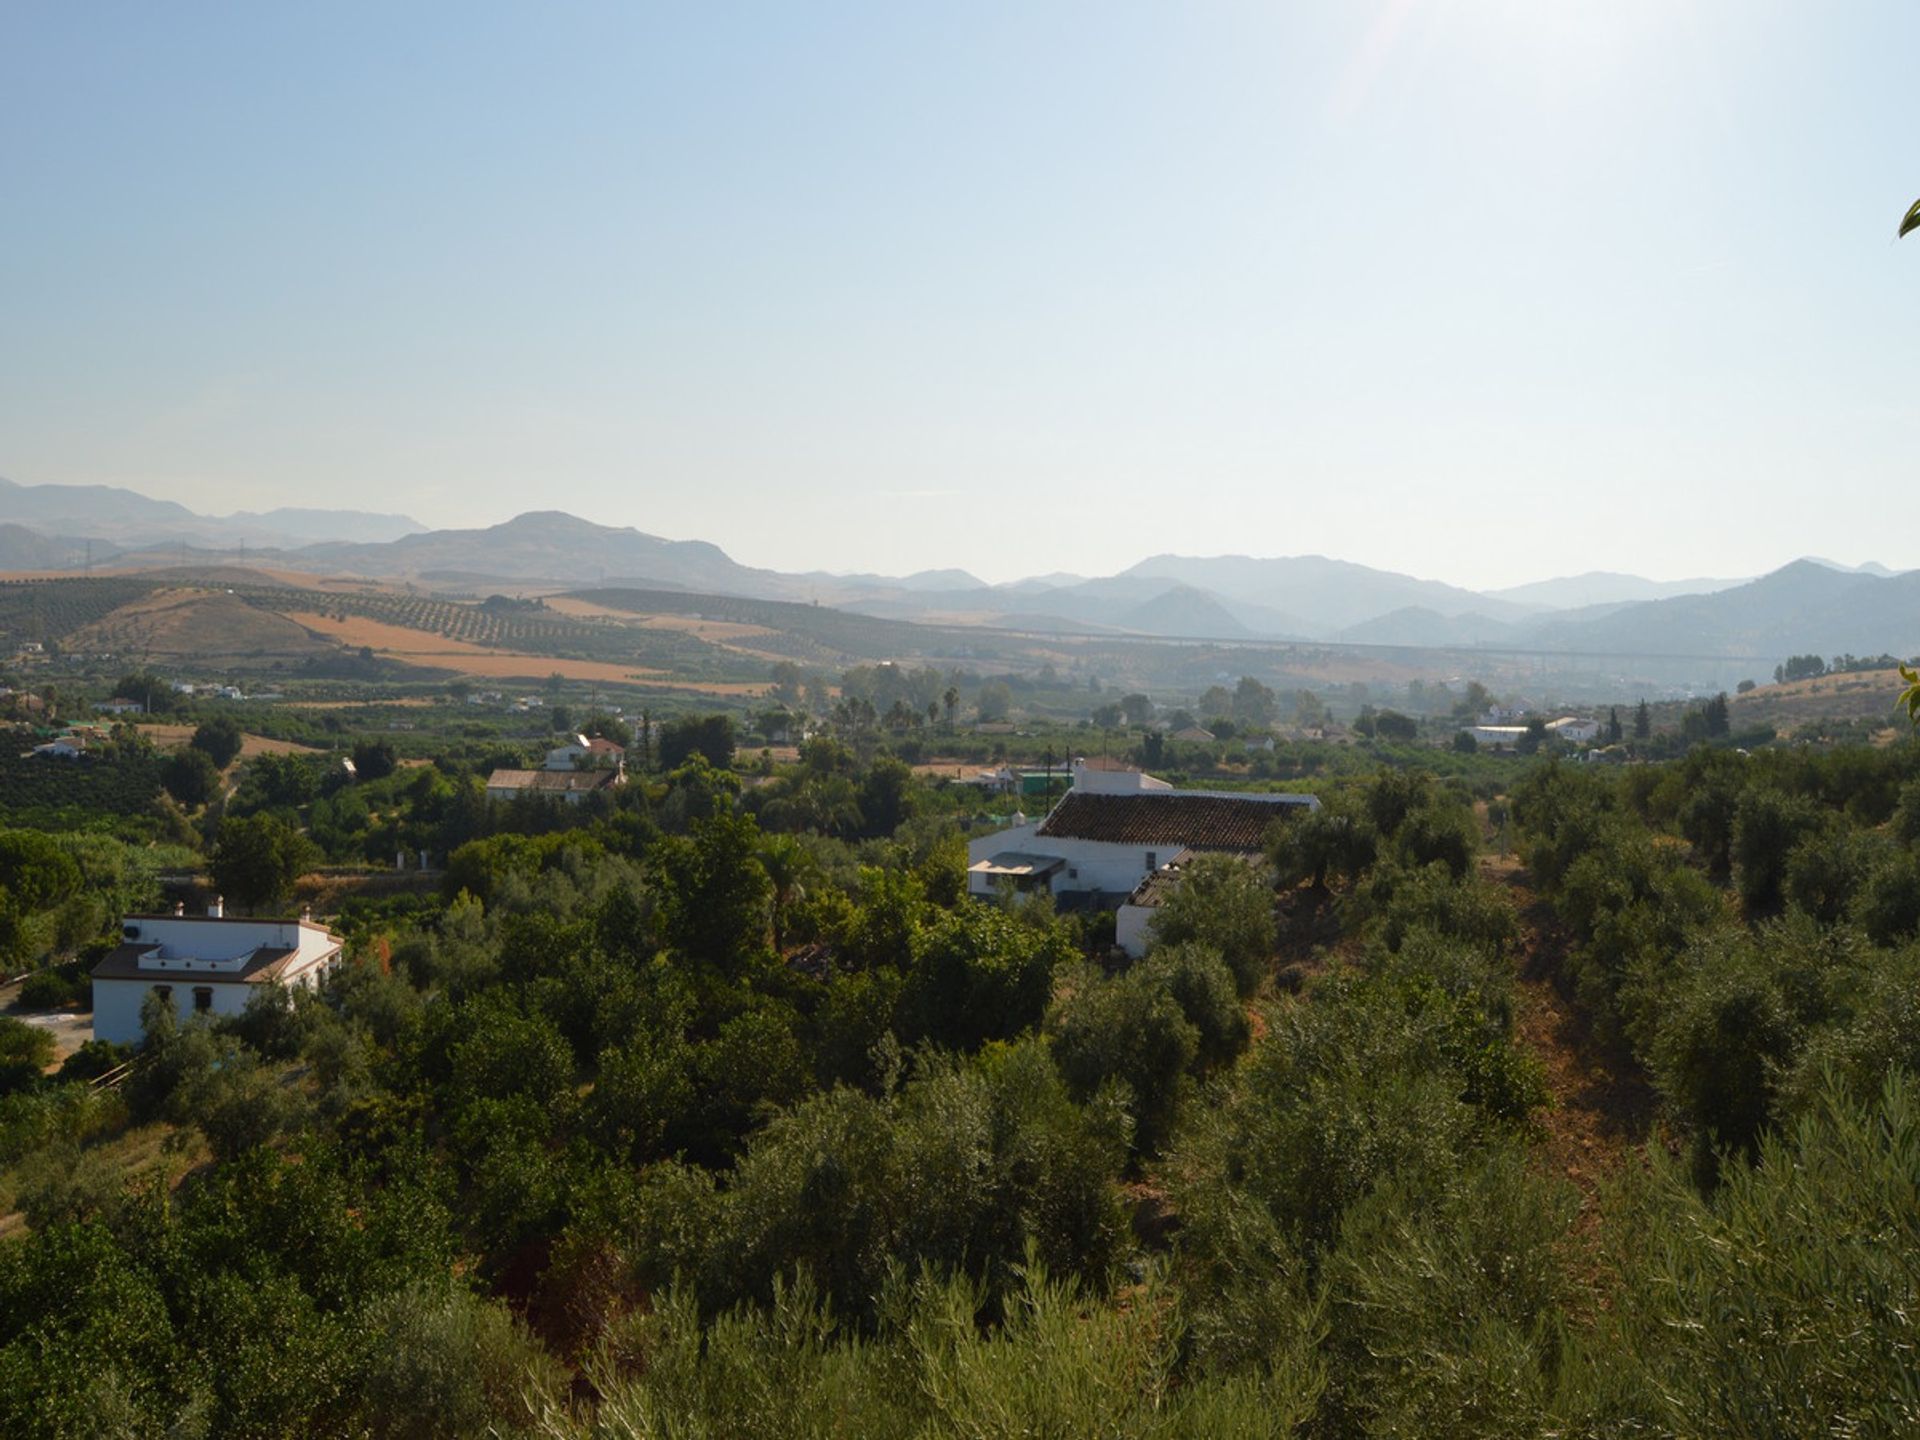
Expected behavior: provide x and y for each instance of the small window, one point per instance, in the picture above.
(203, 997)
(1153, 860)
(165, 992)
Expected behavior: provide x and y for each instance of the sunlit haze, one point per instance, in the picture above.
(1481, 290)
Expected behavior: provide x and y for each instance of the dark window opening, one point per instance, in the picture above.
(202, 997)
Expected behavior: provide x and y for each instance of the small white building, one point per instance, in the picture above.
(1131, 921)
(1573, 730)
(1117, 826)
(208, 964)
(580, 753)
(119, 705)
(64, 747)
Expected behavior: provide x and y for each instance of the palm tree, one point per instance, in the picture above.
(789, 866)
(1912, 220)
(952, 701)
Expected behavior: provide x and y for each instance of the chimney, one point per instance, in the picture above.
(218, 908)
(180, 907)
(306, 914)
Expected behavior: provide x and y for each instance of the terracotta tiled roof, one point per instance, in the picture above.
(1169, 818)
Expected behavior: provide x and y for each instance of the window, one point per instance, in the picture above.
(203, 997)
(165, 992)
(1153, 860)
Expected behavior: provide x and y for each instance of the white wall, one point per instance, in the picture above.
(204, 938)
(116, 1003)
(1091, 864)
(1130, 928)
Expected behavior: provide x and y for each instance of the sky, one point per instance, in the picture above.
(1481, 290)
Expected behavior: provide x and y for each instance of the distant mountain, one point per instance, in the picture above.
(24, 549)
(1325, 596)
(314, 526)
(920, 580)
(1870, 567)
(1419, 626)
(1604, 587)
(101, 511)
(1802, 608)
(1183, 610)
(128, 518)
(552, 546)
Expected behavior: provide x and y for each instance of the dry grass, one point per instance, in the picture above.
(250, 745)
(202, 625)
(1860, 695)
(418, 648)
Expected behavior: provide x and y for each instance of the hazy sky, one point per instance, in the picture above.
(1484, 290)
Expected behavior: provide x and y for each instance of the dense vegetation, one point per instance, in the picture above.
(718, 1108)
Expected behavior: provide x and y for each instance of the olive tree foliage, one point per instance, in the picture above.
(1770, 1306)
(1225, 904)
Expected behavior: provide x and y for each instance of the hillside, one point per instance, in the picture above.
(552, 547)
(1802, 608)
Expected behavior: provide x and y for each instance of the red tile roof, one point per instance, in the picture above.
(1171, 818)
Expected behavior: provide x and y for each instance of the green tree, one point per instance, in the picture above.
(711, 736)
(1642, 721)
(374, 759)
(715, 895)
(1225, 904)
(982, 974)
(257, 859)
(191, 777)
(219, 739)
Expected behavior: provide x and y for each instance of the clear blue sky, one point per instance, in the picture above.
(1485, 290)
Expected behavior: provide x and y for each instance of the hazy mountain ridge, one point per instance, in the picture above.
(1811, 605)
(127, 520)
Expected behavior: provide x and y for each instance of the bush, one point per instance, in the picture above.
(1226, 905)
(25, 1052)
(191, 777)
(1130, 1031)
(219, 740)
(47, 990)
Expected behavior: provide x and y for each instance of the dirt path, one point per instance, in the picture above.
(1603, 1106)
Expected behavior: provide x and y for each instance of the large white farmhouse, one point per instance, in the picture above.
(206, 964)
(1115, 827)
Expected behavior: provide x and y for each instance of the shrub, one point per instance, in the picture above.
(1226, 905)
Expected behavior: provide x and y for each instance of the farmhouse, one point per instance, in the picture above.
(119, 705)
(580, 753)
(208, 964)
(1117, 826)
(572, 786)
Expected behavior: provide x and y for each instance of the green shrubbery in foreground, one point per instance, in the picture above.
(574, 1151)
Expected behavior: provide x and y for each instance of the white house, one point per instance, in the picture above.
(1116, 826)
(119, 705)
(208, 964)
(1574, 731)
(1498, 737)
(572, 786)
(580, 753)
(64, 747)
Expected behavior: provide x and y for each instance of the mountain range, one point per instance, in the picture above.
(1809, 606)
(117, 520)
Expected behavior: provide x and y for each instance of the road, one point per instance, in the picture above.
(70, 1028)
